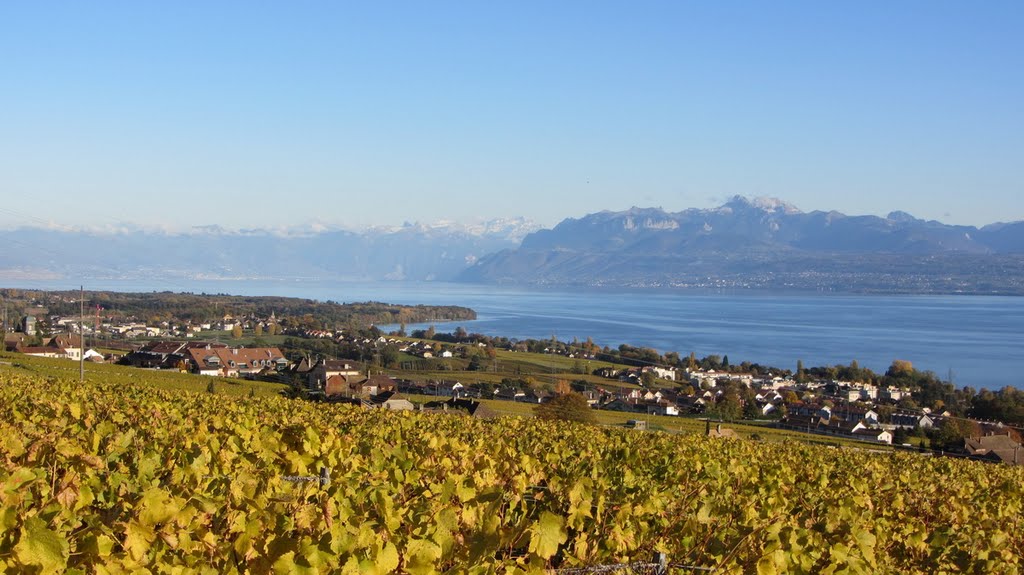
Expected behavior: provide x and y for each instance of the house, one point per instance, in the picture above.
(877, 435)
(464, 406)
(383, 383)
(156, 355)
(651, 396)
(893, 394)
(318, 374)
(912, 420)
(234, 362)
(390, 400)
(70, 344)
(42, 351)
(1000, 447)
(534, 396)
(798, 422)
(625, 404)
(853, 413)
(665, 373)
(662, 407)
(336, 385)
(63, 346)
(691, 404)
(444, 387)
(13, 340)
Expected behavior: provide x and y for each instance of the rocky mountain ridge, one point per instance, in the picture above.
(764, 242)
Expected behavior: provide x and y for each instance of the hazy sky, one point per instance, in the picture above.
(254, 114)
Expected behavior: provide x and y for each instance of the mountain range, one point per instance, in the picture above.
(764, 243)
(409, 252)
(744, 243)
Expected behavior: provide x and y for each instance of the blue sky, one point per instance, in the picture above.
(255, 114)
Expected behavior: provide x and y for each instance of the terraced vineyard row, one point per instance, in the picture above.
(118, 479)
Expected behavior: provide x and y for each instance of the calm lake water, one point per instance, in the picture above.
(979, 338)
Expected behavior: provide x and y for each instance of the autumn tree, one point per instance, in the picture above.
(566, 407)
(236, 332)
(900, 368)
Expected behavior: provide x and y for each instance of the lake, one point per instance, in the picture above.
(977, 338)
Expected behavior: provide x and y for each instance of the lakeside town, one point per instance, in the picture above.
(471, 372)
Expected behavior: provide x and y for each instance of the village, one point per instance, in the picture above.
(827, 407)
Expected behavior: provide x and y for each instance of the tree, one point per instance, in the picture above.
(691, 362)
(900, 368)
(274, 329)
(389, 356)
(259, 329)
(899, 436)
(236, 332)
(725, 362)
(885, 413)
(751, 410)
(951, 433)
(728, 407)
(648, 378)
(801, 376)
(566, 407)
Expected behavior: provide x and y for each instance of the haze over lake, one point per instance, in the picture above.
(979, 338)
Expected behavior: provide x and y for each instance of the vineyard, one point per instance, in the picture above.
(125, 478)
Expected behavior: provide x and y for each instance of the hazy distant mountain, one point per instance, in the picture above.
(764, 243)
(759, 243)
(408, 252)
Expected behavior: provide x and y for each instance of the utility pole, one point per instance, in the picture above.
(81, 336)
